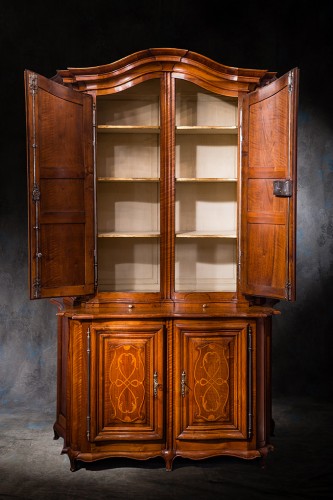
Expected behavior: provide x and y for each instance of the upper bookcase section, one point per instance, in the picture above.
(151, 63)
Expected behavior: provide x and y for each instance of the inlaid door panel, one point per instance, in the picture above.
(127, 387)
(212, 385)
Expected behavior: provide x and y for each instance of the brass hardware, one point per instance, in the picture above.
(183, 384)
(130, 306)
(204, 306)
(283, 189)
(155, 384)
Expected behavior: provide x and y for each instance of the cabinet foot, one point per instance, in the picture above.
(55, 434)
(263, 454)
(168, 456)
(74, 466)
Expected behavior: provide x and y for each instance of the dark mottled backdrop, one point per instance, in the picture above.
(46, 36)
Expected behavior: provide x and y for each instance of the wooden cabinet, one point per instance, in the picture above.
(162, 202)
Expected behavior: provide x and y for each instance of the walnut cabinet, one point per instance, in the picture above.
(162, 204)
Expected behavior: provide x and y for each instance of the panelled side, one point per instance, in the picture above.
(60, 189)
(269, 189)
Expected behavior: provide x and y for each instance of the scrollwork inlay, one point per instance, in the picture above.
(211, 387)
(127, 390)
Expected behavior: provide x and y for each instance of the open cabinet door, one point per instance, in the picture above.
(268, 157)
(60, 189)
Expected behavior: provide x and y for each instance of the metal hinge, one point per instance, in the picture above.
(290, 81)
(241, 127)
(95, 198)
(33, 83)
(249, 382)
(88, 383)
(183, 384)
(288, 290)
(95, 269)
(37, 288)
(283, 189)
(239, 265)
(35, 193)
(155, 384)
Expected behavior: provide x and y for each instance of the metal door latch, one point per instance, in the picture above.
(283, 188)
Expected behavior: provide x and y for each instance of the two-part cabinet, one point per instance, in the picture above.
(162, 203)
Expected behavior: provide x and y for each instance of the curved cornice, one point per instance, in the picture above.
(151, 63)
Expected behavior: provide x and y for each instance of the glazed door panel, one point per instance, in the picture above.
(127, 387)
(212, 387)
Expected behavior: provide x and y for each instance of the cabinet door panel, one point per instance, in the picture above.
(127, 382)
(212, 385)
(268, 155)
(60, 189)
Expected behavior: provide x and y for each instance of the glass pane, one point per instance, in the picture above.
(129, 264)
(204, 265)
(128, 189)
(206, 190)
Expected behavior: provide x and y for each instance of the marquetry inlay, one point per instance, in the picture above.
(126, 377)
(211, 382)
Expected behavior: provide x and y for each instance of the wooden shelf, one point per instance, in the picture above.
(128, 129)
(184, 129)
(132, 234)
(206, 234)
(128, 179)
(205, 179)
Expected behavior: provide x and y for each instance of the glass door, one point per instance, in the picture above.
(206, 190)
(128, 189)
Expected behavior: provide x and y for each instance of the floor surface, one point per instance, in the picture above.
(301, 466)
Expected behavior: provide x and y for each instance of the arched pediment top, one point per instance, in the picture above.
(151, 63)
